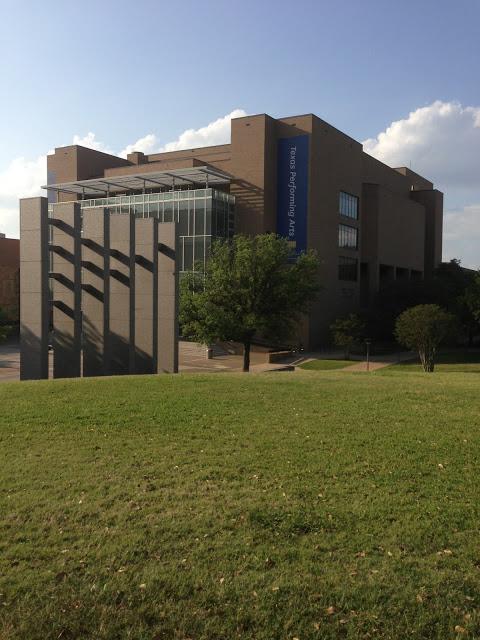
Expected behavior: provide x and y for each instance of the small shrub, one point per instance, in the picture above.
(347, 332)
(423, 328)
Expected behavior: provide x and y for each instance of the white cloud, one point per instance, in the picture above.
(90, 141)
(440, 141)
(147, 144)
(462, 235)
(217, 132)
(9, 222)
(23, 178)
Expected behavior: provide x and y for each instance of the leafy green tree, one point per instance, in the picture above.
(472, 298)
(4, 327)
(250, 288)
(348, 331)
(423, 328)
(447, 288)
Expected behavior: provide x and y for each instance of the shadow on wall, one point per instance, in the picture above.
(33, 354)
(108, 353)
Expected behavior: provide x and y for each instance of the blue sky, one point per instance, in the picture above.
(122, 70)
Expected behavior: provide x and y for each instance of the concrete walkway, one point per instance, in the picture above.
(358, 364)
(192, 359)
(9, 362)
(380, 362)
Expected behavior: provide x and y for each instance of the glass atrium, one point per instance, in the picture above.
(202, 215)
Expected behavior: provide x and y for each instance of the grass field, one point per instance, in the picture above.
(326, 365)
(273, 506)
(446, 361)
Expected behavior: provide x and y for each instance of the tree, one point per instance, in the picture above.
(348, 331)
(251, 287)
(4, 327)
(472, 297)
(423, 328)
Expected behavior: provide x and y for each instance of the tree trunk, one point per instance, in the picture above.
(427, 359)
(246, 356)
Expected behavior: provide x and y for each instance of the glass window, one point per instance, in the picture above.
(199, 256)
(183, 218)
(347, 237)
(199, 217)
(208, 217)
(347, 268)
(168, 212)
(220, 226)
(348, 205)
(187, 254)
(153, 209)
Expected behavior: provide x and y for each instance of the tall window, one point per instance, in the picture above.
(348, 205)
(347, 237)
(347, 268)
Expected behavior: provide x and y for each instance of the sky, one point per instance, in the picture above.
(401, 77)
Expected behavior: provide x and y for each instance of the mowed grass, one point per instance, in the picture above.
(307, 505)
(446, 361)
(326, 365)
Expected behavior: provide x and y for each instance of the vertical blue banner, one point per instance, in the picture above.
(292, 191)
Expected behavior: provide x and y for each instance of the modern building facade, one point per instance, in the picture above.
(10, 277)
(98, 288)
(298, 177)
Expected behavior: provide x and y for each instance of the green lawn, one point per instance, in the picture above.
(447, 361)
(272, 506)
(326, 365)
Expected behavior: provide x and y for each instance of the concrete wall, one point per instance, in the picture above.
(432, 201)
(122, 294)
(117, 282)
(66, 290)
(34, 282)
(400, 212)
(146, 295)
(96, 292)
(167, 354)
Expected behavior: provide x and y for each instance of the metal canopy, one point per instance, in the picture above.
(171, 178)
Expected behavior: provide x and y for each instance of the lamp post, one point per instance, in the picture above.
(368, 342)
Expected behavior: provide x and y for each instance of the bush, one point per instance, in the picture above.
(423, 328)
(5, 328)
(348, 331)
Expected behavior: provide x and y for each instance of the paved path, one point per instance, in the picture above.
(192, 358)
(358, 364)
(9, 363)
(380, 363)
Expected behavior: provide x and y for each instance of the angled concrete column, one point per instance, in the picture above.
(34, 292)
(146, 293)
(95, 291)
(167, 298)
(122, 295)
(66, 289)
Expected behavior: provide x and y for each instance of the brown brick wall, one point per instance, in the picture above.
(10, 277)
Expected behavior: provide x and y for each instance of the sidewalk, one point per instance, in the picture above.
(380, 362)
(358, 364)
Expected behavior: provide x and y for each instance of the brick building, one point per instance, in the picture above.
(9, 276)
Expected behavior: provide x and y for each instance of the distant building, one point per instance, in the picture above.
(298, 177)
(9, 276)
